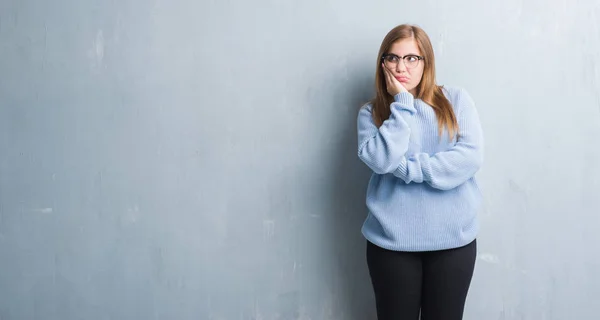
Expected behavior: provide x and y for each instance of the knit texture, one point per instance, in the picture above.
(423, 194)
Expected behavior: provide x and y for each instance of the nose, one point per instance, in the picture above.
(400, 67)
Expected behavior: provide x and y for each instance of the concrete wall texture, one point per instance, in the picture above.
(197, 159)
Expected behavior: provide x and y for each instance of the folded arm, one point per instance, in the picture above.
(451, 168)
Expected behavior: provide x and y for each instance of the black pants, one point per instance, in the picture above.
(434, 283)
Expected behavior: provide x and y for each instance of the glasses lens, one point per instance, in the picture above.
(411, 61)
(390, 61)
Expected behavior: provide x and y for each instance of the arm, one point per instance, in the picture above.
(449, 169)
(383, 148)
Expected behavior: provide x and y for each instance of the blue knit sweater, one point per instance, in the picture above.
(422, 195)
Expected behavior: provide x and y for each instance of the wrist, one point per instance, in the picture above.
(403, 96)
(405, 101)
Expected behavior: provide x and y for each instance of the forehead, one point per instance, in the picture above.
(404, 47)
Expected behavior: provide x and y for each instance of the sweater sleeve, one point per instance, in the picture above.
(451, 168)
(383, 148)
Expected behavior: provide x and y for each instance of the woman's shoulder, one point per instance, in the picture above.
(455, 92)
(458, 96)
(366, 107)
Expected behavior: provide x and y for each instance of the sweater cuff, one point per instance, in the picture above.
(402, 170)
(405, 101)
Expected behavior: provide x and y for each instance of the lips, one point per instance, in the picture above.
(402, 79)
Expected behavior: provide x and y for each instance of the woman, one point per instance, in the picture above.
(424, 144)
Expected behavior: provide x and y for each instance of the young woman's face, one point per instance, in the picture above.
(408, 73)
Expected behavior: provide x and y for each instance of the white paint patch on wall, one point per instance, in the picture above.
(96, 52)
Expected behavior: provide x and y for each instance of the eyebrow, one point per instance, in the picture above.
(410, 54)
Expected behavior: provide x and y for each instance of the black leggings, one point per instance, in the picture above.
(434, 283)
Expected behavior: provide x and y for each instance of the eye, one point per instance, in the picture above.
(412, 58)
(391, 58)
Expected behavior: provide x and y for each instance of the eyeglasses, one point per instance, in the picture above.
(410, 61)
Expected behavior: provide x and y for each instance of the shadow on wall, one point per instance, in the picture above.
(348, 187)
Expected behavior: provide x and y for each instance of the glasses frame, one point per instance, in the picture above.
(419, 58)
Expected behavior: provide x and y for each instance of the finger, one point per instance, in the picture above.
(391, 78)
(387, 74)
(386, 70)
(392, 82)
